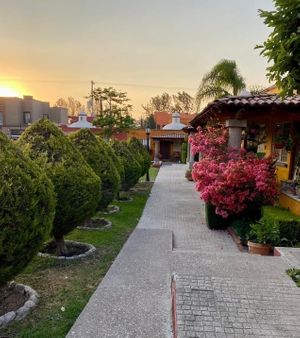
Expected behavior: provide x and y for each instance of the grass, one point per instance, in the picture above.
(295, 275)
(66, 286)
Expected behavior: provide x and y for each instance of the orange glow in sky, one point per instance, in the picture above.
(12, 90)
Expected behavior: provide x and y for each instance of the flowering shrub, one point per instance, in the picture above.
(230, 179)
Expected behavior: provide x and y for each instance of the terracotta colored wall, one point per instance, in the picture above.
(289, 203)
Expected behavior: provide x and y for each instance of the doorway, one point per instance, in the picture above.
(165, 149)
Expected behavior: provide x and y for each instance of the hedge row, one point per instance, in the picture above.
(50, 184)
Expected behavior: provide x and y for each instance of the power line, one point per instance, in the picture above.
(101, 82)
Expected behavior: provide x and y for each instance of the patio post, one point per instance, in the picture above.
(235, 128)
(191, 158)
(156, 151)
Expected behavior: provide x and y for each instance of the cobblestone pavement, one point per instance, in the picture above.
(220, 292)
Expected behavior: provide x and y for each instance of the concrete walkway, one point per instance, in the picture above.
(220, 292)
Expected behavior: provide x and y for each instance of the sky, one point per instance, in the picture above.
(54, 48)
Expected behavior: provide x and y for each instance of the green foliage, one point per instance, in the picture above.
(76, 185)
(95, 154)
(141, 153)
(288, 224)
(265, 231)
(132, 168)
(214, 221)
(27, 206)
(113, 111)
(183, 153)
(223, 80)
(282, 47)
(116, 159)
(295, 275)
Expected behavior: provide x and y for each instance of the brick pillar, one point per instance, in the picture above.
(235, 128)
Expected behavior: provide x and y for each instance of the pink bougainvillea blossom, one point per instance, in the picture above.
(230, 179)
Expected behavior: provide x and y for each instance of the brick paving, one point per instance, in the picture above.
(220, 292)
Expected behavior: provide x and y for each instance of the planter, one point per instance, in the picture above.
(259, 249)
(214, 221)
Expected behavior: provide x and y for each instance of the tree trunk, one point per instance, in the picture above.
(61, 248)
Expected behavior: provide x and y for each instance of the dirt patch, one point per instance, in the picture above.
(73, 249)
(10, 300)
(97, 223)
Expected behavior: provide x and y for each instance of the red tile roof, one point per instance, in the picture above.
(163, 118)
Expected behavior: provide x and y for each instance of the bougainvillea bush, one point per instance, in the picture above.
(231, 179)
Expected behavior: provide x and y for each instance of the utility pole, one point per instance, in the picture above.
(92, 98)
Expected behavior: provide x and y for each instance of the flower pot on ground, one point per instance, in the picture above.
(263, 236)
(214, 221)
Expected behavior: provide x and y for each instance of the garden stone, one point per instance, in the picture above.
(8, 317)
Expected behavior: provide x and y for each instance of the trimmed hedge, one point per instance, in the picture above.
(76, 185)
(183, 153)
(141, 153)
(27, 207)
(132, 168)
(289, 224)
(116, 159)
(96, 156)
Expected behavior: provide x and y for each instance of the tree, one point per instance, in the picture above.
(74, 106)
(282, 46)
(116, 159)
(132, 168)
(223, 80)
(76, 185)
(113, 110)
(27, 207)
(183, 102)
(142, 154)
(95, 154)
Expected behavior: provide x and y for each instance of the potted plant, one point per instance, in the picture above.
(263, 236)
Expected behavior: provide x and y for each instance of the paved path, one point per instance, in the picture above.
(220, 292)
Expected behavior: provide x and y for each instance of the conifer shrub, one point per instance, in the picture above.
(27, 207)
(142, 154)
(132, 168)
(76, 185)
(116, 159)
(95, 154)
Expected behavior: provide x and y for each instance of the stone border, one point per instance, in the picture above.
(115, 210)
(23, 311)
(87, 253)
(105, 227)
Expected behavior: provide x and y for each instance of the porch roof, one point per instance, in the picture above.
(236, 104)
(169, 136)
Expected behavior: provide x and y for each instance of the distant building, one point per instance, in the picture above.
(17, 113)
(162, 118)
(79, 122)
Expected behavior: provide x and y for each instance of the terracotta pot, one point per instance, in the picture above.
(259, 249)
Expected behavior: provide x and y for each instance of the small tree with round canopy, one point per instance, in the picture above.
(27, 207)
(143, 156)
(76, 185)
(95, 154)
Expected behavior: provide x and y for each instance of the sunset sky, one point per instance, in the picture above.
(53, 48)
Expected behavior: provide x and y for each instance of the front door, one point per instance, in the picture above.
(165, 149)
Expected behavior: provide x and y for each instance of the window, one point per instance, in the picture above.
(27, 117)
(1, 119)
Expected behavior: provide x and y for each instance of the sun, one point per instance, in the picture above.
(6, 91)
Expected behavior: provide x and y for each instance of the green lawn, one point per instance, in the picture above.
(66, 286)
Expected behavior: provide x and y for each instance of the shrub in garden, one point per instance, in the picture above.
(142, 154)
(96, 156)
(116, 159)
(76, 185)
(27, 207)
(231, 179)
(183, 153)
(132, 168)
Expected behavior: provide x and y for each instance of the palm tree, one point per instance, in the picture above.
(223, 80)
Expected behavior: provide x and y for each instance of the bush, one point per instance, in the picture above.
(116, 159)
(96, 156)
(143, 156)
(213, 220)
(132, 168)
(76, 185)
(27, 206)
(183, 153)
(289, 224)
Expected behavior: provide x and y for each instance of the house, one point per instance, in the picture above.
(165, 144)
(265, 124)
(17, 113)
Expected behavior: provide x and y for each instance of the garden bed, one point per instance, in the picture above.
(96, 223)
